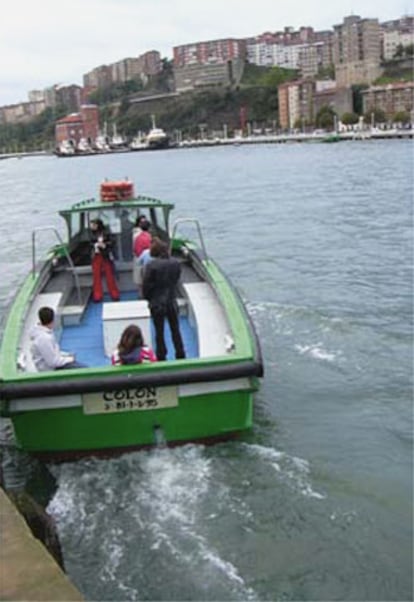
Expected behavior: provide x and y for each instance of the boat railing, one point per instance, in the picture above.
(187, 220)
(65, 251)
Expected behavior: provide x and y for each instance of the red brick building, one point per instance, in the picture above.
(78, 125)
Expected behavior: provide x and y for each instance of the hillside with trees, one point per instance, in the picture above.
(131, 104)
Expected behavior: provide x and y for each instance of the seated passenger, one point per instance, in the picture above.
(131, 348)
(45, 349)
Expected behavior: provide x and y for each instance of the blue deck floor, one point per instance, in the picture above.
(86, 339)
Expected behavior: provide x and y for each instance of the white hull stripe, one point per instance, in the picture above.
(71, 401)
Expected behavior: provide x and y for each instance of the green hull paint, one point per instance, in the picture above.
(197, 417)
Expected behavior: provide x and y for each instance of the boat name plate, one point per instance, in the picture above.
(127, 400)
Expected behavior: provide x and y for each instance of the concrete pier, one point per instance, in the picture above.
(27, 570)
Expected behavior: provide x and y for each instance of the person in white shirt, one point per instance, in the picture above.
(46, 352)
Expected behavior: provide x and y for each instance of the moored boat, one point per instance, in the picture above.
(84, 147)
(101, 144)
(138, 142)
(333, 137)
(105, 409)
(117, 142)
(66, 148)
(157, 138)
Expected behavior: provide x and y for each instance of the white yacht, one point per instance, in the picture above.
(66, 148)
(117, 141)
(156, 137)
(139, 142)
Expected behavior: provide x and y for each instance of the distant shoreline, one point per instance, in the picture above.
(256, 139)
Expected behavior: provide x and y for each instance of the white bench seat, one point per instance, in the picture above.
(213, 332)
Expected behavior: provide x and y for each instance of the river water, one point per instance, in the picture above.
(316, 502)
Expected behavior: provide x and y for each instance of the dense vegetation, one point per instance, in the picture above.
(37, 134)
(396, 69)
(209, 109)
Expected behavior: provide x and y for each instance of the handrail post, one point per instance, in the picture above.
(67, 255)
(195, 221)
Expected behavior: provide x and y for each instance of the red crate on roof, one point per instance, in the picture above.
(117, 191)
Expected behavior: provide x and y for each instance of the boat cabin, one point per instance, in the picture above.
(119, 217)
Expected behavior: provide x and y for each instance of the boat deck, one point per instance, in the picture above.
(87, 338)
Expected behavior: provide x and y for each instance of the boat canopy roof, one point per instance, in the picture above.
(98, 205)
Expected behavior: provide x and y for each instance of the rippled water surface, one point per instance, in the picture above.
(316, 502)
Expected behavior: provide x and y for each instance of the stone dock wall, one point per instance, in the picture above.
(28, 571)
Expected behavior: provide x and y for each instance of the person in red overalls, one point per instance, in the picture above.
(102, 261)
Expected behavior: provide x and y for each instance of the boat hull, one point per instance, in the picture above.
(101, 409)
(158, 144)
(62, 433)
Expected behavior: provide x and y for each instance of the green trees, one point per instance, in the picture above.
(375, 116)
(349, 118)
(115, 92)
(269, 77)
(404, 51)
(325, 118)
(402, 117)
(37, 134)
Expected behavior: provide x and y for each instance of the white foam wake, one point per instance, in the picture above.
(289, 469)
(317, 351)
(163, 498)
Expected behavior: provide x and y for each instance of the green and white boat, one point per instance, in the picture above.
(105, 409)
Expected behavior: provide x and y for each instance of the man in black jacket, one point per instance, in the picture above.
(159, 285)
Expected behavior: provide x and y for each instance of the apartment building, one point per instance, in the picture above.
(301, 100)
(399, 32)
(140, 67)
(190, 77)
(67, 95)
(50, 96)
(36, 95)
(295, 103)
(22, 112)
(313, 58)
(211, 63)
(149, 63)
(210, 52)
(305, 50)
(393, 38)
(356, 51)
(275, 54)
(100, 77)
